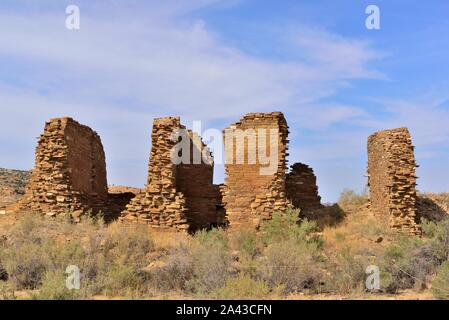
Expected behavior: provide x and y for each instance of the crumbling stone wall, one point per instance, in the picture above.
(252, 194)
(70, 171)
(301, 187)
(392, 178)
(118, 198)
(177, 195)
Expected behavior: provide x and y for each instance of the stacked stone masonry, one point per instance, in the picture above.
(70, 177)
(70, 171)
(177, 195)
(301, 187)
(251, 194)
(392, 178)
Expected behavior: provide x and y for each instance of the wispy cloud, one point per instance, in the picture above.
(347, 57)
(126, 66)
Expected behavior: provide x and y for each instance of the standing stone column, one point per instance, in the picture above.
(70, 171)
(392, 178)
(178, 196)
(254, 187)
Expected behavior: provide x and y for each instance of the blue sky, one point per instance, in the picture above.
(211, 60)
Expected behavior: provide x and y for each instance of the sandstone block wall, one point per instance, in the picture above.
(392, 178)
(195, 181)
(301, 187)
(177, 196)
(250, 196)
(70, 171)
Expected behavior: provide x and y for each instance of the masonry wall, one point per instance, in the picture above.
(249, 196)
(195, 181)
(301, 187)
(177, 196)
(70, 171)
(392, 178)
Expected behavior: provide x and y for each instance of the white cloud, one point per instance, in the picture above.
(337, 54)
(125, 67)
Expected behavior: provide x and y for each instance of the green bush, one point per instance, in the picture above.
(242, 287)
(247, 243)
(347, 273)
(291, 265)
(110, 261)
(25, 266)
(128, 246)
(440, 285)
(287, 226)
(439, 239)
(199, 267)
(121, 280)
(54, 288)
(210, 260)
(406, 264)
(176, 272)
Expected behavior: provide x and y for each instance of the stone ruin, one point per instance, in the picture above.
(392, 178)
(253, 190)
(301, 187)
(70, 171)
(180, 195)
(70, 177)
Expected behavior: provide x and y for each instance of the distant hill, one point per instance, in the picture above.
(12, 185)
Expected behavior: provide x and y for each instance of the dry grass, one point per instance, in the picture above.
(284, 260)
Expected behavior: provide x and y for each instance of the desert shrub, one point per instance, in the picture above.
(440, 285)
(25, 266)
(60, 255)
(200, 266)
(291, 265)
(110, 260)
(242, 287)
(211, 261)
(247, 251)
(406, 264)
(120, 280)
(286, 226)
(114, 261)
(128, 246)
(347, 273)
(7, 291)
(247, 243)
(176, 272)
(89, 218)
(54, 288)
(439, 239)
(349, 198)
(27, 230)
(372, 227)
(212, 238)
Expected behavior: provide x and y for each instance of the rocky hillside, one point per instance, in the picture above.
(12, 185)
